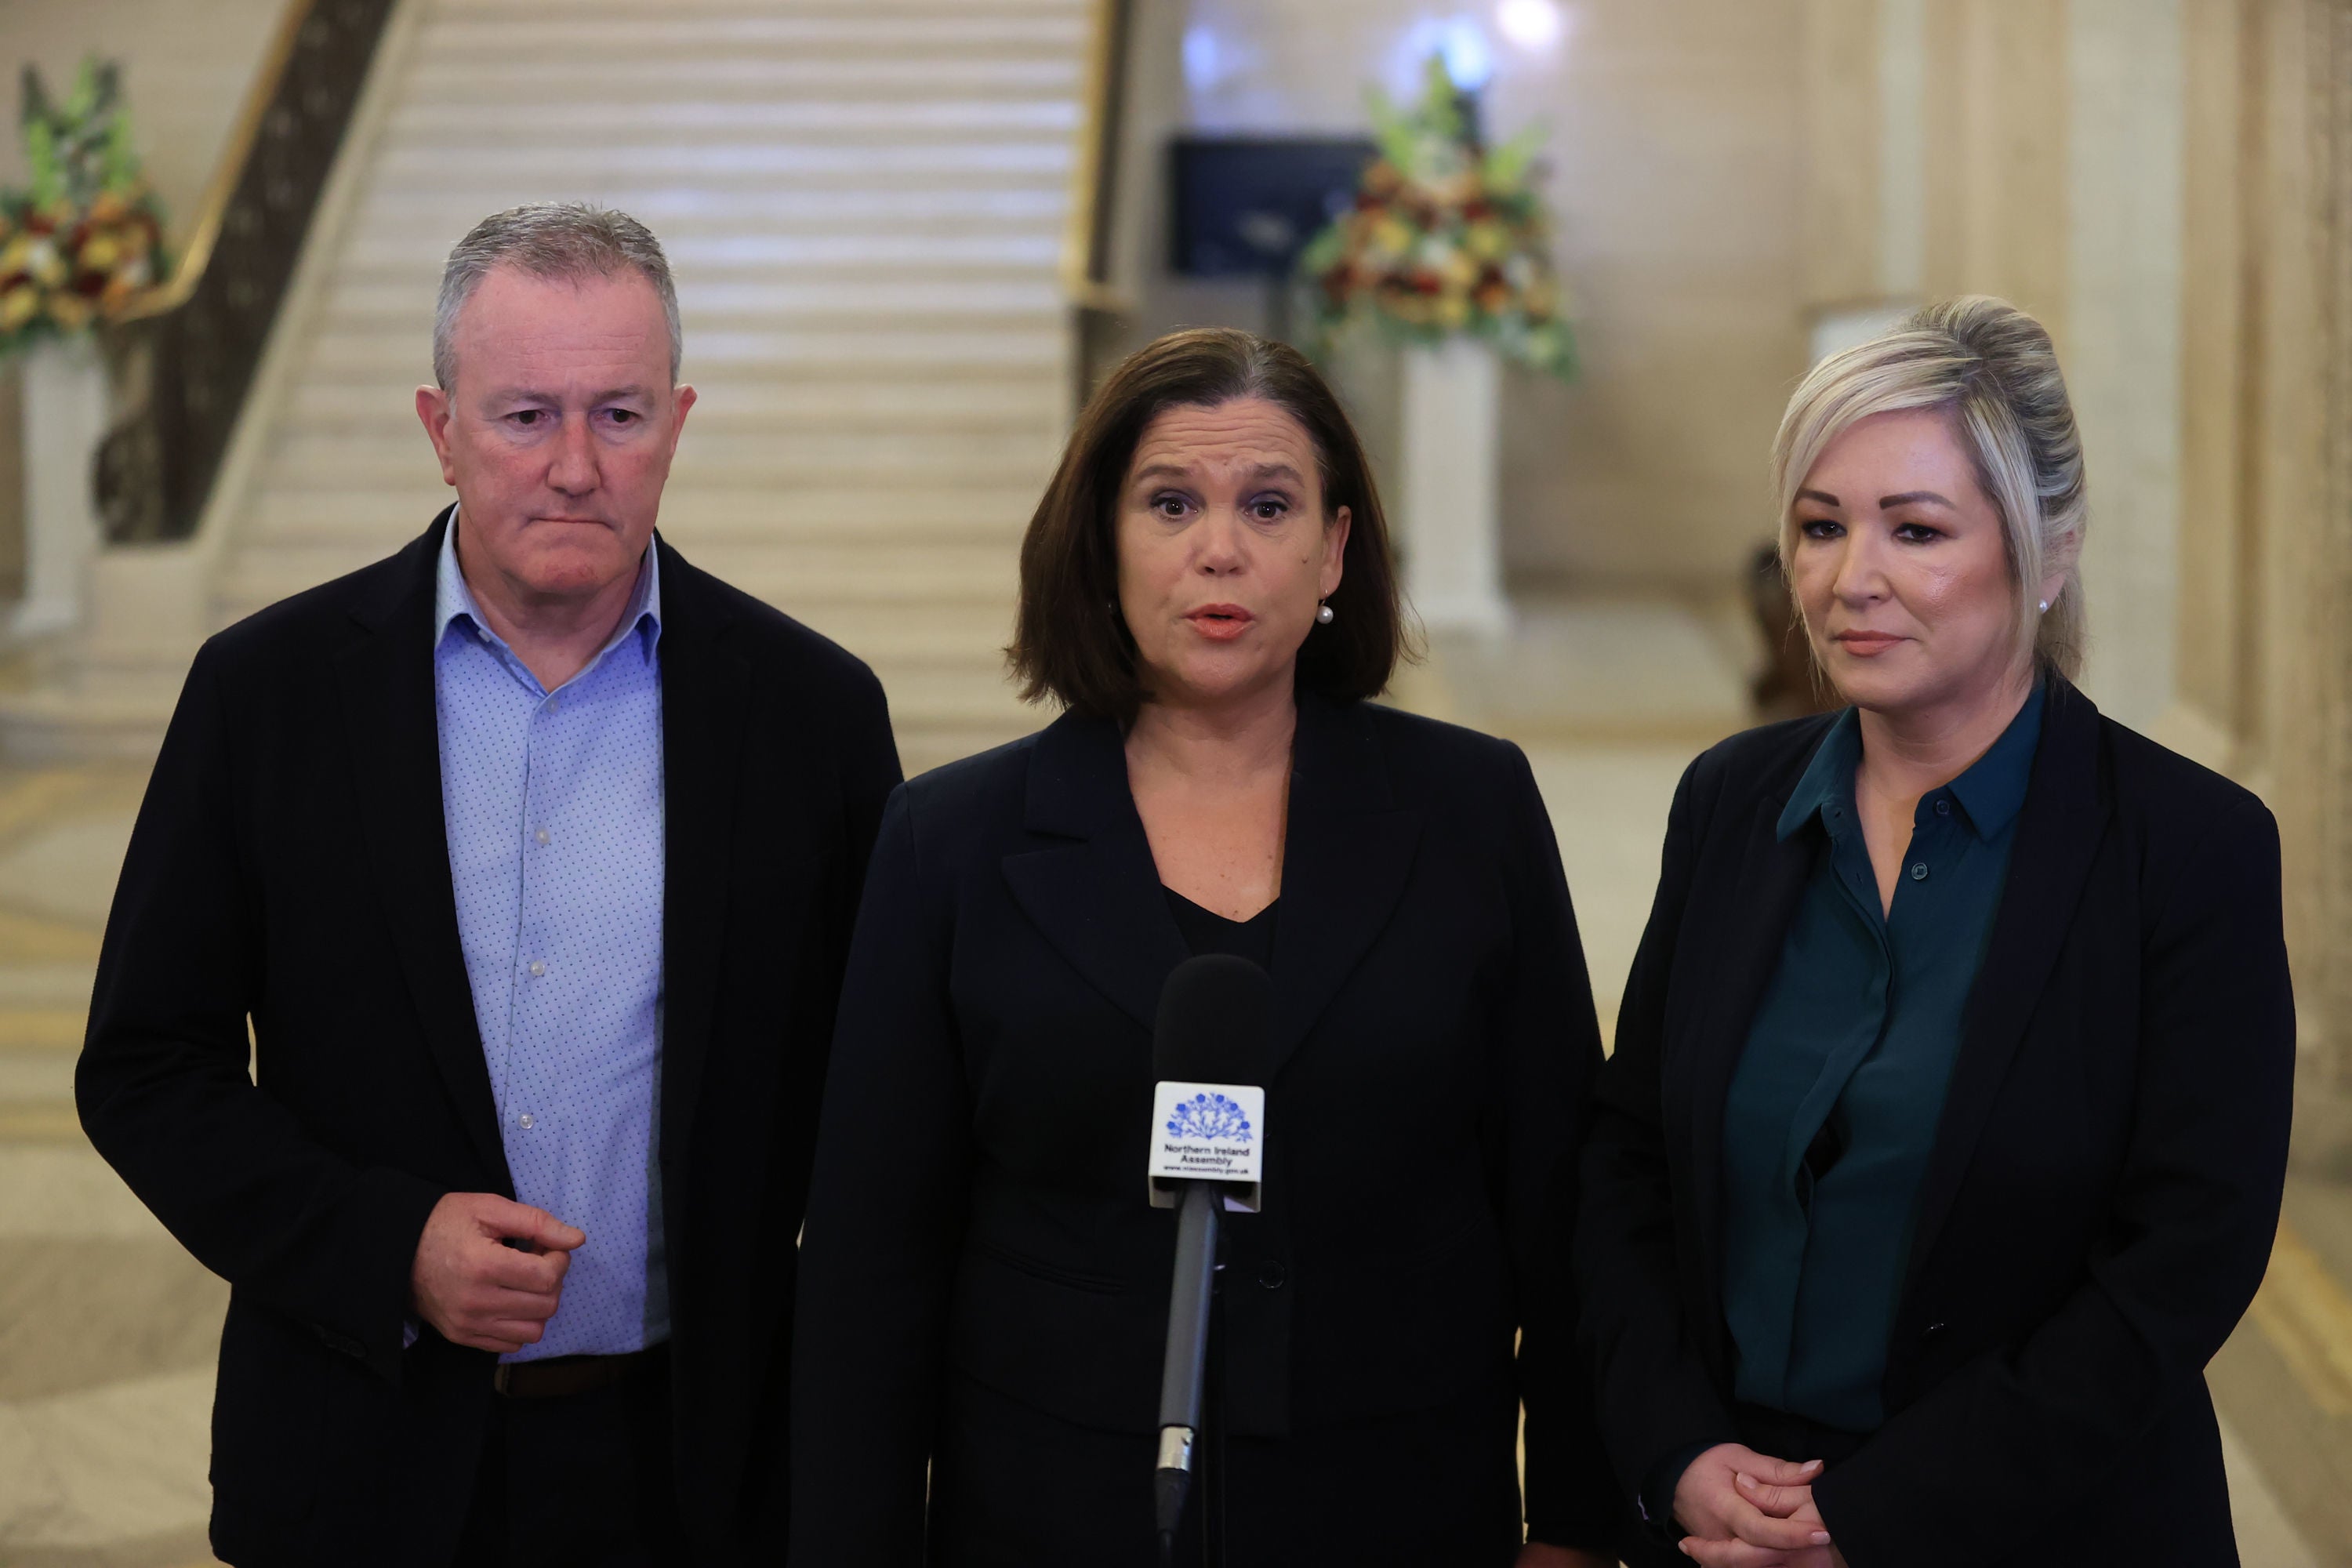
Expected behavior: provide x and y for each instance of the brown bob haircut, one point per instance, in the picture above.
(1071, 643)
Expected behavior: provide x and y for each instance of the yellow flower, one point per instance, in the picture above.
(16, 255)
(70, 311)
(44, 262)
(1453, 311)
(99, 252)
(1486, 241)
(18, 306)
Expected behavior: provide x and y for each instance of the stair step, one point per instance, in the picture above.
(815, 574)
(1036, 252)
(626, 9)
(409, 304)
(679, 213)
(565, 124)
(941, 637)
(774, 459)
(406, 356)
(978, 700)
(384, 519)
(695, 519)
(1020, 406)
(531, 83)
(560, 172)
(673, 33)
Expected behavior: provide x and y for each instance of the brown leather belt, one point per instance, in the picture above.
(565, 1375)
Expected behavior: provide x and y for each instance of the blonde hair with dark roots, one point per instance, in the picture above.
(1992, 368)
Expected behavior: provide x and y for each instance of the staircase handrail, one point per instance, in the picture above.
(201, 333)
(1087, 245)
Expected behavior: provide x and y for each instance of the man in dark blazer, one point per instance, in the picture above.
(529, 856)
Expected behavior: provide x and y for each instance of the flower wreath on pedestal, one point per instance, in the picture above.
(79, 244)
(86, 237)
(1445, 251)
(1446, 237)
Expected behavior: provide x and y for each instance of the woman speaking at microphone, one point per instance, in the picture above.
(1943, 1142)
(1206, 590)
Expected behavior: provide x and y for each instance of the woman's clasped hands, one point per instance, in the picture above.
(1745, 1509)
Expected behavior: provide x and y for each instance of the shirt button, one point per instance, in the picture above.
(552, 703)
(526, 1121)
(541, 836)
(1918, 874)
(1271, 1275)
(1943, 808)
(538, 968)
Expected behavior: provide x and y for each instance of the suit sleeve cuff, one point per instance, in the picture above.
(1656, 1499)
(392, 1207)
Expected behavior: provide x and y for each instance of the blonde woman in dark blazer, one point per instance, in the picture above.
(1943, 1141)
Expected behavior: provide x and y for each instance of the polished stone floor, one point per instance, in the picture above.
(108, 1328)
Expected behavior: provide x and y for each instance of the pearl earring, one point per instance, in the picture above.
(1323, 617)
(2045, 606)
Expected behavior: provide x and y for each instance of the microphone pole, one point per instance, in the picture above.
(1208, 1052)
(1188, 1355)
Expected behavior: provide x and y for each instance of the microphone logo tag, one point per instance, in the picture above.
(1208, 1132)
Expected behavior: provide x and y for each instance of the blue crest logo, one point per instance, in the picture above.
(1212, 1117)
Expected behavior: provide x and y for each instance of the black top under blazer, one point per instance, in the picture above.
(290, 865)
(2104, 1184)
(979, 1200)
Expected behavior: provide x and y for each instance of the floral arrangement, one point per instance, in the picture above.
(1445, 237)
(87, 235)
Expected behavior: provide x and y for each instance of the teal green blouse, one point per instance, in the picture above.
(1833, 1108)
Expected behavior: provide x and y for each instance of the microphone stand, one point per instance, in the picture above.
(1188, 1350)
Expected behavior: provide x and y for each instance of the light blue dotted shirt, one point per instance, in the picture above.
(553, 804)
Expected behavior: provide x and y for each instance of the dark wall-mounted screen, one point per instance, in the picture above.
(1245, 206)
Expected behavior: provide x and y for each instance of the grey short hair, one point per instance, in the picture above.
(577, 240)
(1992, 367)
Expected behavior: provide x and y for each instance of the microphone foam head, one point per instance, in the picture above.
(1216, 1017)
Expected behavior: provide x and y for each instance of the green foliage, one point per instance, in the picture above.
(1447, 236)
(84, 235)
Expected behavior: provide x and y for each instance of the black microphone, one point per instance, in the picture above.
(1208, 1052)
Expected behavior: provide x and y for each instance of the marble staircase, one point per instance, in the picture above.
(863, 204)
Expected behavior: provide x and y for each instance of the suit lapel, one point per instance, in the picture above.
(1346, 856)
(1744, 934)
(389, 717)
(705, 694)
(1096, 901)
(2058, 837)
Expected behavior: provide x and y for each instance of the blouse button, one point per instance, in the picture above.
(1271, 1275)
(1943, 808)
(1919, 870)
